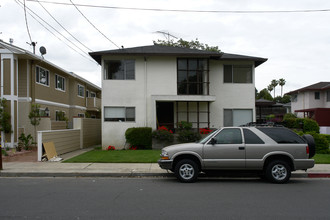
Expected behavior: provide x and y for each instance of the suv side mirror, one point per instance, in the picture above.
(213, 141)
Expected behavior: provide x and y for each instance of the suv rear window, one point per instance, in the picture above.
(251, 138)
(282, 135)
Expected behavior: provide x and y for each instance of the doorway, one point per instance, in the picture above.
(165, 114)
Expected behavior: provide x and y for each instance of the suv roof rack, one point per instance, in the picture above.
(267, 124)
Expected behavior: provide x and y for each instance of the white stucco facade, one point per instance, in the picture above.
(155, 81)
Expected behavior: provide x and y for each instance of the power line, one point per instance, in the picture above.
(93, 25)
(20, 4)
(26, 23)
(63, 27)
(191, 11)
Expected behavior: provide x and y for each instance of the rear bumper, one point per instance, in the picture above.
(165, 164)
(303, 164)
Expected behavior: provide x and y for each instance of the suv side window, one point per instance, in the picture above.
(251, 138)
(229, 136)
(282, 135)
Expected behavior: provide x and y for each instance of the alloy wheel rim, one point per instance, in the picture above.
(187, 171)
(279, 172)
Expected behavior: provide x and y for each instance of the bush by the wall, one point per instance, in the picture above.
(139, 137)
(306, 124)
(321, 141)
(311, 126)
(163, 134)
(186, 136)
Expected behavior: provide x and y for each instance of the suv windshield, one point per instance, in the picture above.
(282, 135)
(204, 140)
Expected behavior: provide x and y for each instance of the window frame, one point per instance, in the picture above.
(83, 92)
(63, 83)
(37, 75)
(328, 95)
(43, 110)
(123, 64)
(317, 95)
(56, 114)
(92, 94)
(119, 119)
(232, 73)
(81, 115)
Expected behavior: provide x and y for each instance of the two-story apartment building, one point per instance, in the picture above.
(314, 102)
(161, 85)
(28, 79)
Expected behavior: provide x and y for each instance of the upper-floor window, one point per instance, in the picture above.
(193, 76)
(42, 76)
(294, 98)
(119, 69)
(317, 95)
(237, 74)
(87, 93)
(328, 96)
(59, 82)
(93, 94)
(81, 90)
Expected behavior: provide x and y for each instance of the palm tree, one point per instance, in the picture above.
(274, 83)
(270, 88)
(281, 82)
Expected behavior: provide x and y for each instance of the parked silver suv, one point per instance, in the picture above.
(272, 151)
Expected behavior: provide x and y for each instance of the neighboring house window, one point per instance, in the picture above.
(317, 95)
(43, 113)
(93, 116)
(119, 113)
(87, 93)
(237, 74)
(59, 115)
(42, 76)
(81, 115)
(93, 94)
(81, 90)
(120, 69)
(193, 76)
(237, 117)
(328, 96)
(294, 98)
(59, 82)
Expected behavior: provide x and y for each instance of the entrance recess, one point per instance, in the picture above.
(165, 114)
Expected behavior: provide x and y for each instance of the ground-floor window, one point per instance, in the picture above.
(119, 113)
(60, 115)
(81, 115)
(237, 117)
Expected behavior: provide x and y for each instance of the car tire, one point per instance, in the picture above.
(311, 144)
(278, 171)
(186, 171)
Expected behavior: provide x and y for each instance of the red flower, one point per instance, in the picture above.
(205, 130)
(111, 148)
(133, 148)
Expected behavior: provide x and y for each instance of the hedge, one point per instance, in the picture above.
(306, 124)
(321, 142)
(139, 137)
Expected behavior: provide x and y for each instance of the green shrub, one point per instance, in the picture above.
(163, 134)
(311, 126)
(184, 125)
(139, 137)
(289, 116)
(186, 136)
(321, 143)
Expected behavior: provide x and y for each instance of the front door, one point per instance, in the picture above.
(165, 114)
(227, 153)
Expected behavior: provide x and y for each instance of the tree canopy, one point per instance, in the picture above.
(193, 44)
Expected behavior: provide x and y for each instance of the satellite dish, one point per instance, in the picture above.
(42, 50)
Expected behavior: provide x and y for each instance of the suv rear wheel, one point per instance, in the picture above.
(186, 171)
(278, 171)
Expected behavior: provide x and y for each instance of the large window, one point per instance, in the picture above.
(237, 74)
(294, 98)
(120, 69)
(119, 113)
(317, 95)
(237, 117)
(193, 76)
(59, 82)
(81, 90)
(42, 76)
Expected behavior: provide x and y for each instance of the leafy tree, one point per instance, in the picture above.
(274, 83)
(193, 44)
(284, 99)
(264, 94)
(270, 88)
(5, 124)
(35, 118)
(281, 82)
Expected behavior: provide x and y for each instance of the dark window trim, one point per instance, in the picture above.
(38, 76)
(232, 73)
(123, 61)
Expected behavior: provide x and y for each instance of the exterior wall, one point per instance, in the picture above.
(157, 77)
(90, 131)
(64, 140)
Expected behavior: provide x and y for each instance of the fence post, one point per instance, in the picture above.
(39, 145)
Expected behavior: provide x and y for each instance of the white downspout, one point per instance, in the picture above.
(145, 92)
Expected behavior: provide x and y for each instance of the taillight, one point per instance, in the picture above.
(307, 150)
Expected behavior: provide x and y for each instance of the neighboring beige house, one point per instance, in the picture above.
(28, 79)
(314, 102)
(161, 85)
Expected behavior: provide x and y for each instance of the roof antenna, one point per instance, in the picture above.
(33, 44)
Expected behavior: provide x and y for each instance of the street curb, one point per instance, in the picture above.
(77, 174)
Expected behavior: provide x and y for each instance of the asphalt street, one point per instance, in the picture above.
(162, 198)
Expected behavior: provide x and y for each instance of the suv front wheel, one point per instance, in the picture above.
(186, 171)
(278, 171)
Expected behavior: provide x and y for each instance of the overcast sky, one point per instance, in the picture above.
(297, 44)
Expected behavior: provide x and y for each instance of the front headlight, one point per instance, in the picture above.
(164, 155)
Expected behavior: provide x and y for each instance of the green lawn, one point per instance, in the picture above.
(117, 156)
(143, 156)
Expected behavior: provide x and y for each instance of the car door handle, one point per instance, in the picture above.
(241, 148)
